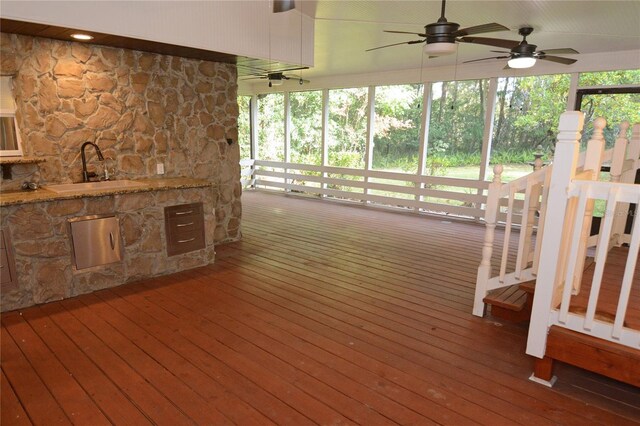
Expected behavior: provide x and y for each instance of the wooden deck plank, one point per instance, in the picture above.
(73, 399)
(610, 289)
(12, 412)
(326, 313)
(285, 363)
(40, 405)
(150, 401)
(183, 397)
(386, 350)
(116, 406)
(276, 409)
(451, 395)
(213, 392)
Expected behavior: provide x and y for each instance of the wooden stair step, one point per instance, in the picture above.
(529, 287)
(512, 298)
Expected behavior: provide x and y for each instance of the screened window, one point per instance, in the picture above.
(244, 126)
(609, 78)
(347, 127)
(271, 127)
(456, 128)
(526, 121)
(306, 127)
(396, 141)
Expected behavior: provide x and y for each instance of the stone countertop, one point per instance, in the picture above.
(43, 195)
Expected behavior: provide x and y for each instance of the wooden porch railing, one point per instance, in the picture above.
(461, 197)
(522, 206)
(570, 201)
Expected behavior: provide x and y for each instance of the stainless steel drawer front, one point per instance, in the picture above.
(96, 241)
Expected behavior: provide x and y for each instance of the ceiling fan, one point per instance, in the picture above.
(440, 37)
(283, 5)
(277, 78)
(522, 54)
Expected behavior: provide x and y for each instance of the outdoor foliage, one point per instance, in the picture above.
(244, 127)
(615, 108)
(526, 115)
(396, 141)
(271, 127)
(306, 127)
(347, 127)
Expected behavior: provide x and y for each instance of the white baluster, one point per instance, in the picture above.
(490, 217)
(593, 162)
(565, 163)
(617, 168)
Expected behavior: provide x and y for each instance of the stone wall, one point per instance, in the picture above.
(140, 108)
(42, 244)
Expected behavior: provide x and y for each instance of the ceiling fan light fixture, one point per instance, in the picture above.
(275, 82)
(440, 49)
(522, 62)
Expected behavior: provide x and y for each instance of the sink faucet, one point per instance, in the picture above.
(85, 174)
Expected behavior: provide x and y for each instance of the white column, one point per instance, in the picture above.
(573, 91)
(325, 133)
(424, 135)
(253, 118)
(287, 136)
(564, 166)
(368, 150)
(487, 136)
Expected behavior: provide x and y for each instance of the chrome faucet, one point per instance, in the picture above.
(85, 174)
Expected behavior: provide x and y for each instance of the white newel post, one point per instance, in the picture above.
(564, 165)
(490, 218)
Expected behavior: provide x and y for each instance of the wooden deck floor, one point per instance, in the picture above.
(610, 290)
(323, 314)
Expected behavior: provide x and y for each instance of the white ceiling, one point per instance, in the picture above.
(345, 29)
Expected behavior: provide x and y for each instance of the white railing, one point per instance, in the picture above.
(521, 206)
(526, 213)
(566, 238)
(461, 197)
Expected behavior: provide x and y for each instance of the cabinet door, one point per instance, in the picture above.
(96, 241)
(8, 278)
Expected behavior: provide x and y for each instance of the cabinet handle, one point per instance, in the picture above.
(181, 213)
(187, 241)
(180, 225)
(112, 241)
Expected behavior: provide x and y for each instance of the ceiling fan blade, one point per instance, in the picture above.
(283, 5)
(479, 29)
(404, 32)
(561, 51)
(507, 44)
(558, 59)
(395, 44)
(486, 59)
(257, 77)
(499, 51)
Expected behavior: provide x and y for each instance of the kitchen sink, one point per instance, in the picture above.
(94, 186)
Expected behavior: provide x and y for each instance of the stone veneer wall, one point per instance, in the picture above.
(140, 108)
(42, 244)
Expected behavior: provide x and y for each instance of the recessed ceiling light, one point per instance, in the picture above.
(82, 37)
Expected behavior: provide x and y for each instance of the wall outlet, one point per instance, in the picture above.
(160, 168)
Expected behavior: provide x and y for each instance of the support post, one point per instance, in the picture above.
(490, 218)
(325, 136)
(564, 166)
